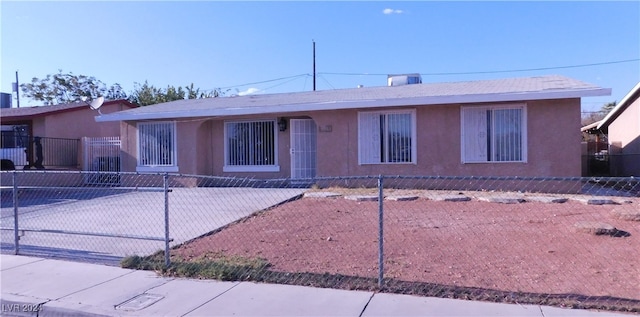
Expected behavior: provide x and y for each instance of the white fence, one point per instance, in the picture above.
(102, 154)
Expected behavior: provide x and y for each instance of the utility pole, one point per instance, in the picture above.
(314, 65)
(17, 90)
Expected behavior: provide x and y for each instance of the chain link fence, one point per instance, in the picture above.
(571, 242)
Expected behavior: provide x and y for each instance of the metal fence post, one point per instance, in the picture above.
(16, 233)
(167, 260)
(380, 231)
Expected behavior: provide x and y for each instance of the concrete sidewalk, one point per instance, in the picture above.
(44, 287)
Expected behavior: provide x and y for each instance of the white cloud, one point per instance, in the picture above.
(392, 11)
(248, 91)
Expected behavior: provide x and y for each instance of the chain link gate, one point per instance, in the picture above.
(102, 155)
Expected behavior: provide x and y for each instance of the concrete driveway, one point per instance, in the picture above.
(84, 218)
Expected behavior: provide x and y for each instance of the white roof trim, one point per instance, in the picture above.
(619, 107)
(338, 105)
(590, 126)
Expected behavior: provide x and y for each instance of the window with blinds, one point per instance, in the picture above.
(250, 144)
(494, 134)
(386, 137)
(156, 144)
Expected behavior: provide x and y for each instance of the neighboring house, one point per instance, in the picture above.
(595, 151)
(622, 126)
(55, 130)
(505, 127)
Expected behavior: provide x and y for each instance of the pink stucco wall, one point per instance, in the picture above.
(553, 144)
(553, 128)
(128, 146)
(77, 124)
(624, 136)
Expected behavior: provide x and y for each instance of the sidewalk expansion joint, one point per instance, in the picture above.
(92, 286)
(166, 280)
(367, 304)
(40, 306)
(209, 301)
(21, 265)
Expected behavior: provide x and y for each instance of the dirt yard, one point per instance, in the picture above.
(523, 247)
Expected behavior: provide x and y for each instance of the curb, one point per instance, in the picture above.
(15, 307)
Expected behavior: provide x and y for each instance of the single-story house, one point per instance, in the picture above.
(57, 129)
(622, 127)
(504, 127)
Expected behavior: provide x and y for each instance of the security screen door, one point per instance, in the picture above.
(303, 148)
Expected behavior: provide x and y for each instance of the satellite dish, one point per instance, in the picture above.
(97, 103)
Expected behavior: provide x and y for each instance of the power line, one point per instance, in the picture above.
(305, 83)
(326, 81)
(264, 81)
(290, 80)
(493, 71)
(306, 75)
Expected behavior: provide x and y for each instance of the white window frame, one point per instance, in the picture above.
(365, 138)
(173, 166)
(251, 168)
(467, 130)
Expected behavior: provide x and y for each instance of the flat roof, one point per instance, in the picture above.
(511, 89)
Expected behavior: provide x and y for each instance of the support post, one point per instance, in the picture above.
(167, 260)
(16, 233)
(380, 232)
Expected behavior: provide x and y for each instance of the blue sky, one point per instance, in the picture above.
(247, 46)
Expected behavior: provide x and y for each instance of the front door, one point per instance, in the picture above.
(303, 148)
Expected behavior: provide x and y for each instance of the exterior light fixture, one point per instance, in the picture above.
(282, 125)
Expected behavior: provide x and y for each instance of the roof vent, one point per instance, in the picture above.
(404, 79)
